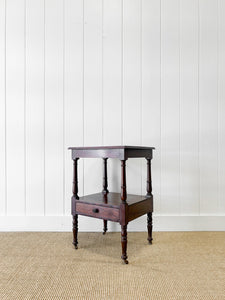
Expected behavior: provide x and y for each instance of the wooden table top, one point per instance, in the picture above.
(121, 152)
(111, 199)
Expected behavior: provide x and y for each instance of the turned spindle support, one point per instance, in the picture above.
(124, 208)
(148, 195)
(75, 231)
(75, 195)
(105, 177)
(149, 226)
(149, 179)
(75, 178)
(123, 181)
(105, 189)
(105, 228)
(124, 243)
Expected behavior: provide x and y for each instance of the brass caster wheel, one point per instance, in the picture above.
(75, 246)
(150, 241)
(125, 262)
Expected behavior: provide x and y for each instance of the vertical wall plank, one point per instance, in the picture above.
(151, 95)
(170, 107)
(93, 91)
(112, 72)
(73, 92)
(112, 84)
(189, 168)
(15, 20)
(132, 88)
(221, 105)
(35, 107)
(54, 107)
(208, 105)
(2, 108)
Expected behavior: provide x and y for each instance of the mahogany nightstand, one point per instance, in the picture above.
(115, 207)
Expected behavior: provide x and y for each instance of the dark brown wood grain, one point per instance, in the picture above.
(105, 190)
(124, 243)
(105, 177)
(105, 228)
(75, 178)
(123, 181)
(149, 179)
(138, 209)
(111, 199)
(97, 211)
(124, 207)
(75, 230)
(149, 226)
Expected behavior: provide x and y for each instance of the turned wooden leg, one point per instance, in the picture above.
(124, 243)
(105, 177)
(149, 221)
(105, 226)
(149, 179)
(105, 190)
(75, 231)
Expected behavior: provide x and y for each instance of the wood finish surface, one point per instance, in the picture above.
(105, 177)
(111, 199)
(120, 152)
(75, 230)
(123, 181)
(149, 220)
(140, 208)
(149, 179)
(105, 190)
(75, 179)
(97, 211)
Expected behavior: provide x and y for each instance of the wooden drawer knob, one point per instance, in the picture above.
(95, 210)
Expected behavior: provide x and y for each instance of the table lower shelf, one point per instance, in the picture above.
(110, 207)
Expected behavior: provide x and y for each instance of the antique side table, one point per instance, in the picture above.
(116, 207)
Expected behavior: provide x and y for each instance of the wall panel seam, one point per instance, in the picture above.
(102, 70)
(44, 83)
(179, 91)
(160, 91)
(199, 178)
(5, 113)
(218, 115)
(83, 87)
(63, 91)
(141, 86)
(122, 66)
(25, 107)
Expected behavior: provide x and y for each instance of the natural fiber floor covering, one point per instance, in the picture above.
(179, 265)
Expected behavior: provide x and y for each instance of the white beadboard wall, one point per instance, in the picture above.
(112, 72)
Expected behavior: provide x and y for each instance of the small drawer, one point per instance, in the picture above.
(97, 211)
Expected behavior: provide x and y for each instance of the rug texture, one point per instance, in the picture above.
(178, 265)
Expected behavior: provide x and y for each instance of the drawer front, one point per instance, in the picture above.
(96, 211)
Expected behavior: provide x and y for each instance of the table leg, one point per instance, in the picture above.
(75, 231)
(75, 195)
(105, 190)
(149, 221)
(123, 181)
(149, 178)
(105, 226)
(124, 243)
